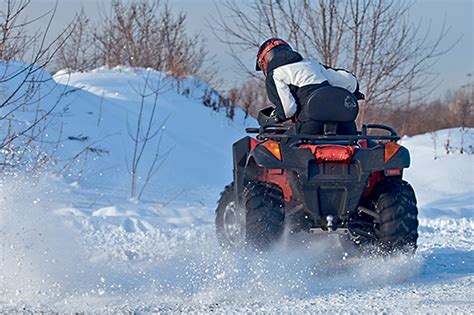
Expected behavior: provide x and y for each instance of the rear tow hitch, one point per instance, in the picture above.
(320, 231)
(331, 229)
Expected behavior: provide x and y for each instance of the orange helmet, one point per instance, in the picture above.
(262, 55)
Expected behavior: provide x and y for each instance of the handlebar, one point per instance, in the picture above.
(268, 129)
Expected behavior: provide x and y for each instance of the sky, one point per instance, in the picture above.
(452, 67)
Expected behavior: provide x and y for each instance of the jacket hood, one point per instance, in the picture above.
(283, 57)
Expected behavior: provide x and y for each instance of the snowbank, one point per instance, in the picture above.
(198, 139)
(95, 117)
(442, 176)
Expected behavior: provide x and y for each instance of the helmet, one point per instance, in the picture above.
(263, 56)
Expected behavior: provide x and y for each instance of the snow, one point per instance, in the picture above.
(98, 112)
(73, 243)
(191, 131)
(447, 177)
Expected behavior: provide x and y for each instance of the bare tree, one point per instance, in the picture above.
(461, 105)
(14, 38)
(146, 135)
(142, 33)
(250, 96)
(79, 53)
(25, 86)
(373, 38)
(138, 33)
(461, 108)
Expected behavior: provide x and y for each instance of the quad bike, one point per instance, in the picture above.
(350, 185)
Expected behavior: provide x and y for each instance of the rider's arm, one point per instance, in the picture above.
(341, 78)
(279, 94)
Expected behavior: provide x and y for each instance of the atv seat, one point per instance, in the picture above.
(330, 110)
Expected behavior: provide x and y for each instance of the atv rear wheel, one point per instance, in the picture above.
(398, 223)
(264, 204)
(395, 229)
(230, 220)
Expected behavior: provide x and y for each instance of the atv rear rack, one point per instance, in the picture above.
(285, 132)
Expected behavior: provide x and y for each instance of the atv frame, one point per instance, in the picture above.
(323, 183)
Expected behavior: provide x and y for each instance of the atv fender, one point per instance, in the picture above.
(291, 159)
(372, 159)
(400, 160)
(240, 151)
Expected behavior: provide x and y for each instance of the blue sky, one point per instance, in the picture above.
(452, 67)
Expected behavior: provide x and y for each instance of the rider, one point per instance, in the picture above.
(290, 80)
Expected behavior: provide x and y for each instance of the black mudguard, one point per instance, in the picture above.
(293, 159)
(372, 159)
(240, 151)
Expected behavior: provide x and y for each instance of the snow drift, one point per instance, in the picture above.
(94, 118)
(106, 107)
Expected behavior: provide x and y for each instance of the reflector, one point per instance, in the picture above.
(393, 172)
(390, 150)
(273, 147)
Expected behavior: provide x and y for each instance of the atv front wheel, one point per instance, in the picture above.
(230, 220)
(394, 229)
(264, 204)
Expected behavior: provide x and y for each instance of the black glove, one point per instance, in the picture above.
(268, 117)
(273, 118)
(358, 94)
